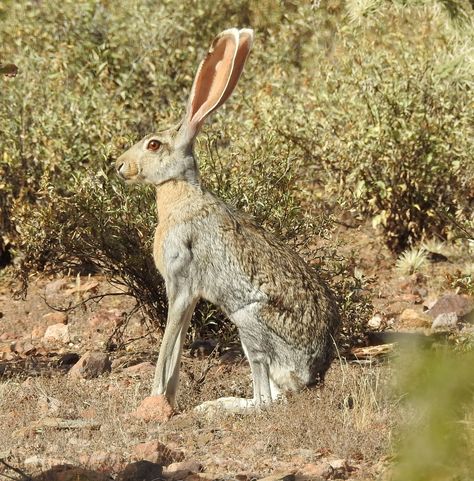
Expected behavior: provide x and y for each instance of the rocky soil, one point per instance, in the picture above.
(74, 387)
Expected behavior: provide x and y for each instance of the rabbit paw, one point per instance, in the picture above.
(230, 404)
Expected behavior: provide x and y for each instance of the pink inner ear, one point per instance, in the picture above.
(245, 44)
(212, 79)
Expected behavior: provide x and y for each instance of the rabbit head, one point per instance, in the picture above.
(168, 155)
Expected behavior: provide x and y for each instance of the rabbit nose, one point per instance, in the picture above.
(119, 169)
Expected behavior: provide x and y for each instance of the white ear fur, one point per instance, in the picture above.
(216, 78)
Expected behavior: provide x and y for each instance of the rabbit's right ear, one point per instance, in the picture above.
(216, 78)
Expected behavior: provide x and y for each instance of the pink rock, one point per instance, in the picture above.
(105, 319)
(154, 408)
(104, 461)
(156, 452)
(55, 318)
(182, 469)
(5, 336)
(321, 470)
(57, 333)
(142, 367)
(91, 365)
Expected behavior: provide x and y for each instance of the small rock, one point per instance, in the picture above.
(38, 332)
(181, 470)
(242, 477)
(24, 348)
(375, 322)
(55, 318)
(446, 320)
(156, 452)
(154, 408)
(7, 347)
(200, 477)
(280, 477)
(339, 464)
(57, 333)
(104, 461)
(190, 465)
(142, 367)
(91, 365)
(141, 471)
(105, 319)
(460, 304)
(35, 462)
(5, 336)
(321, 470)
(340, 468)
(413, 318)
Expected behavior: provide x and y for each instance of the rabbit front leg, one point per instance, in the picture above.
(180, 310)
(260, 376)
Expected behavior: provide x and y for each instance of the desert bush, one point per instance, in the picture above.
(320, 117)
(391, 123)
(93, 78)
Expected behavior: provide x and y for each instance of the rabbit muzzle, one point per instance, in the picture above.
(126, 169)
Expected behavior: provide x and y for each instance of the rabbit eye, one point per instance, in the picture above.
(153, 145)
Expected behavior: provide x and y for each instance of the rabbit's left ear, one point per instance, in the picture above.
(216, 78)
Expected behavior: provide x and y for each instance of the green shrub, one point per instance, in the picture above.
(437, 441)
(388, 123)
(327, 111)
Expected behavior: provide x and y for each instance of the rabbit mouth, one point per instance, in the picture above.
(128, 172)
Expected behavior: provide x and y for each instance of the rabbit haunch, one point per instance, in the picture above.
(286, 316)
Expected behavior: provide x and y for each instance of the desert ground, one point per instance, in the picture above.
(343, 430)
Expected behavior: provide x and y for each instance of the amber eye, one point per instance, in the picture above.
(153, 145)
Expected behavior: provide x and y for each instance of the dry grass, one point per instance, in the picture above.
(349, 418)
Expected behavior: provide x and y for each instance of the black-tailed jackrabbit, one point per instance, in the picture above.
(286, 316)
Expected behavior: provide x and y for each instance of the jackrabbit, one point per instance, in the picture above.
(286, 316)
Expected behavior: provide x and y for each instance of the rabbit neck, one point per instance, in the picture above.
(173, 196)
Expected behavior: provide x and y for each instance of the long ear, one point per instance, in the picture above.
(216, 78)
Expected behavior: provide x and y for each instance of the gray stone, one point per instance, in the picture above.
(459, 304)
(447, 320)
(91, 365)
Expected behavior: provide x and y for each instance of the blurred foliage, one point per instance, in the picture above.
(369, 110)
(437, 443)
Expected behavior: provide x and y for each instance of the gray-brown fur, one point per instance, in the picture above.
(286, 316)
